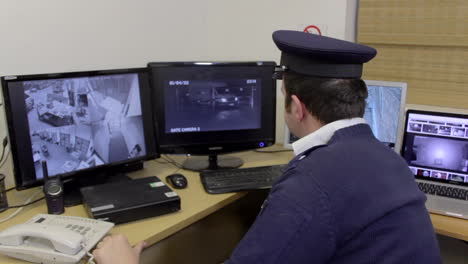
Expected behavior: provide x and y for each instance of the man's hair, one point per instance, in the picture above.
(327, 99)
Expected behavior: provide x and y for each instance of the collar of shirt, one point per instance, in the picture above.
(323, 134)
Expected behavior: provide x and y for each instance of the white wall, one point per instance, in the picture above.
(59, 35)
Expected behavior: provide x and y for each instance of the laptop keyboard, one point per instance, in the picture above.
(440, 190)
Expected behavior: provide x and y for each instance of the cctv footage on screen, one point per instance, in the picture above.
(437, 147)
(212, 105)
(78, 123)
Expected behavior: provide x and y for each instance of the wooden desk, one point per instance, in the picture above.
(450, 226)
(196, 204)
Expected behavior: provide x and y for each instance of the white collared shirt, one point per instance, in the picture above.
(324, 134)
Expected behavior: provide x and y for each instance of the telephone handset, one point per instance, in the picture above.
(53, 238)
(63, 240)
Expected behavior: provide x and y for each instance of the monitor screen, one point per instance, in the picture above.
(77, 122)
(214, 107)
(384, 112)
(435, 146)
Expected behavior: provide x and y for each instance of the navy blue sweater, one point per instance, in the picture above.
(353, 200)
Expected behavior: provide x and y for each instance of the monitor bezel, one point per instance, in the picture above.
(436, 113)
(229, 144)
(114, 167)
(287, 138)
(401, 118)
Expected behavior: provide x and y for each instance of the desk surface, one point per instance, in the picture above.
(195, 204)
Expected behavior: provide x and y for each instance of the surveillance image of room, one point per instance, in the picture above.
(445, 130)
(457, 178)
(65, 149)
(458, 132)
(118, 139)
(414, 127)
(49, 103)
(213, 105)
(442, 153)
(63, 102)
(424, 173)
(439, 175)
(112, 131)
(116, 117)
(383, 111)
(432, 129)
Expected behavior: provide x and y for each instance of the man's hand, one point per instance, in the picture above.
(115, 249)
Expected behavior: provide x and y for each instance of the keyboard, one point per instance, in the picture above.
(243, 179)
(440, 190)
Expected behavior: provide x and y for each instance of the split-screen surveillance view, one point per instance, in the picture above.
(79, 123)
(198, 106)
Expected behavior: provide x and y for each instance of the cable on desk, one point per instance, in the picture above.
(28, 202)
(4, 161)
(172, 161)
(164, 162)
(169, 160)
(272, 151)
(23, 205)
(5, 143)
(9, 189)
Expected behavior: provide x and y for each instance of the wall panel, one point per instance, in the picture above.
(423, 43)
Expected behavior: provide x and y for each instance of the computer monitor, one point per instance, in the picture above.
(435, 146)
(210, 108)
(385, 107)
(80, 123)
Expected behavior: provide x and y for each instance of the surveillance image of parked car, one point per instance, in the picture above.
(79, 123)
(213, 105)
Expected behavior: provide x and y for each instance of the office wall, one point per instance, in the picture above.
(58, 35)
(422, 43)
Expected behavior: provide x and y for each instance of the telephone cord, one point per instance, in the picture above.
(91, 258)
(20, 209)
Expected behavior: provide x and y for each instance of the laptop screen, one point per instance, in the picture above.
(435, 146)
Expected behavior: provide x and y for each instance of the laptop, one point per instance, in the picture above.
(384, 112)
(435, 146)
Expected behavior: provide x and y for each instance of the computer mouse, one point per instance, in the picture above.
(177, 180)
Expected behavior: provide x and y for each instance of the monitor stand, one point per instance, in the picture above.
(212, 163)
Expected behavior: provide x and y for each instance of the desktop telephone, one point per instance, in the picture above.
(53, 238)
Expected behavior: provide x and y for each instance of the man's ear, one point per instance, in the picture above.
(297, 108)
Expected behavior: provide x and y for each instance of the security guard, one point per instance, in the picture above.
(345, 197)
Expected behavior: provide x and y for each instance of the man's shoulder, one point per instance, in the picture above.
(353, 165)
